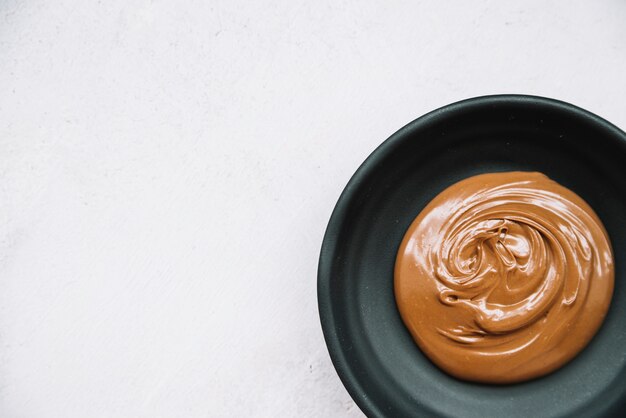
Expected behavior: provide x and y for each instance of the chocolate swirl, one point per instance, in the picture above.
(504, 277)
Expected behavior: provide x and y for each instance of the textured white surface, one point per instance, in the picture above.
(167, 170)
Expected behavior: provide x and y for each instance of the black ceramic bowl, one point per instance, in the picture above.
(376, 358)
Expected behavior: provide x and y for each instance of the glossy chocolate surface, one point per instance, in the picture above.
(504, 277)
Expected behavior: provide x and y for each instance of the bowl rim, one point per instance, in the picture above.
(340, 212)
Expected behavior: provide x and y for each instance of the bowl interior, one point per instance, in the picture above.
(374, 354)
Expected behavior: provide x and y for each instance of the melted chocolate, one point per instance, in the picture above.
(504, 277)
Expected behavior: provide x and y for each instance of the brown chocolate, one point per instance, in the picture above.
(504, 277)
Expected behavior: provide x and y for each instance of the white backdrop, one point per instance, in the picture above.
(167, 170)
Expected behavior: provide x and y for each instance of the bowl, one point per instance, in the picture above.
(377, 360)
